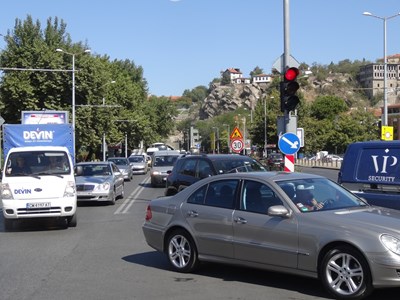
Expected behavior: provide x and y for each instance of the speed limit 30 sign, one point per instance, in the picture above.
(237, 145)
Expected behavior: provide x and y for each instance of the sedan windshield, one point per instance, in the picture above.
(319, 194)
(95, 170)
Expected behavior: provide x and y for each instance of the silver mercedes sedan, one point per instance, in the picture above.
(99, 181)
(289, 222)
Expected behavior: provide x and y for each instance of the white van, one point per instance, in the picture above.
(38, 182)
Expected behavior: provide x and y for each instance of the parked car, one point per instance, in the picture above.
(275, 162)
(255, 219)
(191, 168)
(333, 157)
(163, 161)
(139, 164)
(124, 165)
(99, 181)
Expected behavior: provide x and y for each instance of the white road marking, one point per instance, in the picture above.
(125, 206)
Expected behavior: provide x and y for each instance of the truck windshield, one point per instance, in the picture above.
(38, 163)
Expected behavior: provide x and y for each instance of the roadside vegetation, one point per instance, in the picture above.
(111, 97)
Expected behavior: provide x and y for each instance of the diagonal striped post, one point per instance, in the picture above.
(289, 163)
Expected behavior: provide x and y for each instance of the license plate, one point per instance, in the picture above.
(38, 205)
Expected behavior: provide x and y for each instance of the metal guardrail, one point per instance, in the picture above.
(318, 163)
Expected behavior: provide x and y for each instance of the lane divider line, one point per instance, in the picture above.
(123, 209)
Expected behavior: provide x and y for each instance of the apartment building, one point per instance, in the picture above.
(372, 76)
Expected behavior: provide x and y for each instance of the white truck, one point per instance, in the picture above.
(38, 174)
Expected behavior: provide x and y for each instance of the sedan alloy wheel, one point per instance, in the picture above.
(182, 251)
(345, 273)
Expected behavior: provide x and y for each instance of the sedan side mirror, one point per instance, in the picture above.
(279, 211)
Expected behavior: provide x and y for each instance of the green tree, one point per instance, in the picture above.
(131, 114)
(256, 71)
(198, 94)
(327, 107)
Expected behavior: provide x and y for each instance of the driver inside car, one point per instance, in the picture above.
(305, 200)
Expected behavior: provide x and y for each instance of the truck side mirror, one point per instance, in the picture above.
(78, 170)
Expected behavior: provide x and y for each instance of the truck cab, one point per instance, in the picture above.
(371, 170)
(38, 182)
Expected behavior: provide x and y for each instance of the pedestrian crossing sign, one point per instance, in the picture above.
(236, 134)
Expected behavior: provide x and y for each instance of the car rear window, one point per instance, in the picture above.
(237, 165)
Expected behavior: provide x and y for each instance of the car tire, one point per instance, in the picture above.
(345, 273)
(113, 198)
(181, 251)
(122, 193)
(72, 221)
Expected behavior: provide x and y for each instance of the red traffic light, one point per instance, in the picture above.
(291, 73)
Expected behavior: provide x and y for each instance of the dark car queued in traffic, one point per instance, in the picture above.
(192, 168)
(275, 162)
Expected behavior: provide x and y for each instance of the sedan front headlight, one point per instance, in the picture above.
(391, 242)
(102, 187)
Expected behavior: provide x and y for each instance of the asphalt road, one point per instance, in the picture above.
(106, 257)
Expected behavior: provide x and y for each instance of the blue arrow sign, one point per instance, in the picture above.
(289, 143)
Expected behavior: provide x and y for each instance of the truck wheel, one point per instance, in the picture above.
(72, 221)
(8, 224)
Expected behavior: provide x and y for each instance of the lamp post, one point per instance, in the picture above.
(104, 133)
(384, 19)
(73, 92)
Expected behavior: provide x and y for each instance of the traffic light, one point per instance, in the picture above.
(288, 89)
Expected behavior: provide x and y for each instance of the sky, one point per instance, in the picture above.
(182, 44)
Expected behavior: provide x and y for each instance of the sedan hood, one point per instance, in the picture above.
(371, 218)
(163, 169)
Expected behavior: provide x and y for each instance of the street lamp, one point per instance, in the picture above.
(73, 92)
(104, 133)
(384, 19)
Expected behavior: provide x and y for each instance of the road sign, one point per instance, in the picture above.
(236, 134)
(387, 133)
(237, 145)
(289, 143)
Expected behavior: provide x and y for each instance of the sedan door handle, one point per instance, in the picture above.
(192, 213)
(240, 220)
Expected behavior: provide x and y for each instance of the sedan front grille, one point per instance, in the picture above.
(84, 187)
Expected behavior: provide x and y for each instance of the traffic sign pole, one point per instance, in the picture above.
(289, 144)
(289, 163)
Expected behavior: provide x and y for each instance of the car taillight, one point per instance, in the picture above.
(149, 215)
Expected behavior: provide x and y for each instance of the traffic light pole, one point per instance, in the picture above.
(286, 50)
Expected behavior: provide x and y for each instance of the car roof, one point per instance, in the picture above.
(214, 157)
(82, 163)
(166, 152)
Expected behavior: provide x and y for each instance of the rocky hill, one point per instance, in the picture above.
(224, 98)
